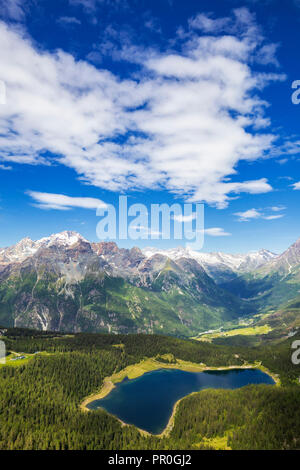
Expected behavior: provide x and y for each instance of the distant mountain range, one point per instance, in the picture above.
(220, 266)
(64, 282)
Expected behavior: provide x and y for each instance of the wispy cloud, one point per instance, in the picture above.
(296, 185)
(62, 202)
(241, 20)
(208, 24)
(248, 215)
(277, 208)
(288, 150)
(153, 25)
(267, 55)
(185, 218)
(252, 214)
(145, 231)
(216, 232)
(12, 9)
(90, 6)
(185, 119)
(213, 231)
(68, 20)
(273, 217)
(5, 167)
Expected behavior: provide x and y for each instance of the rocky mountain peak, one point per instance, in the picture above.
(289, 258)
(66, 238)
(105, 248)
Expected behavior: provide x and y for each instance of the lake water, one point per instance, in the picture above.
(148, 401)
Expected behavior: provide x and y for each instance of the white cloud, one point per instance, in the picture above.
(5, 167)
(62, 202)
(185, 218)
(248, 215)
(252, 214)
(186, 120)
(296, 185)
(218, 193)
(12, 9)
(153, 25)
(282, 161)
(95, 57)
(145, 231)
(242, 22)
(216, 232)
(273, 217)
(90, 6)
(277, 208)
(206, 23)
(267, 55)
(289, 148)
(68, 20)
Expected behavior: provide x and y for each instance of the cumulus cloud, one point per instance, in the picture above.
(62, 202)
(296, 185)
(185, 120)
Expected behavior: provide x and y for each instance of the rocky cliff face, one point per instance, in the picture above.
(286, 262)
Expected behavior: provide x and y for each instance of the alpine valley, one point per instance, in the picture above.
(65, 283)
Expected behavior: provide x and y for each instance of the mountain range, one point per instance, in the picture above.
(66, 283)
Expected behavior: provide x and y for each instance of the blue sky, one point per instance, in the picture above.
(160, 100)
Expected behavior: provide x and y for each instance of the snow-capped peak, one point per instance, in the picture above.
(235, 262)
(66, 238)
(27, 247)
(173, 253)
(209, 261)
(20, 251)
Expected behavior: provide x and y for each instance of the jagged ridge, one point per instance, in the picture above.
(66, 283)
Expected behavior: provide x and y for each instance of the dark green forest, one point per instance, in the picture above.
(39, 400)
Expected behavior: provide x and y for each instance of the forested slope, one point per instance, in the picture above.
(39, 401)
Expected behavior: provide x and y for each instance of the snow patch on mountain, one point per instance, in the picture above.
(211, 262)
(27, 247)
(234, 262)
(66, 238)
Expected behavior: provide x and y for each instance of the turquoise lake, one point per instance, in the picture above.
(148, 401)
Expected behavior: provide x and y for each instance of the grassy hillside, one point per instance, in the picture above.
(99, 303)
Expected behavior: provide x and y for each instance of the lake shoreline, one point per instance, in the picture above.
(151, 364)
